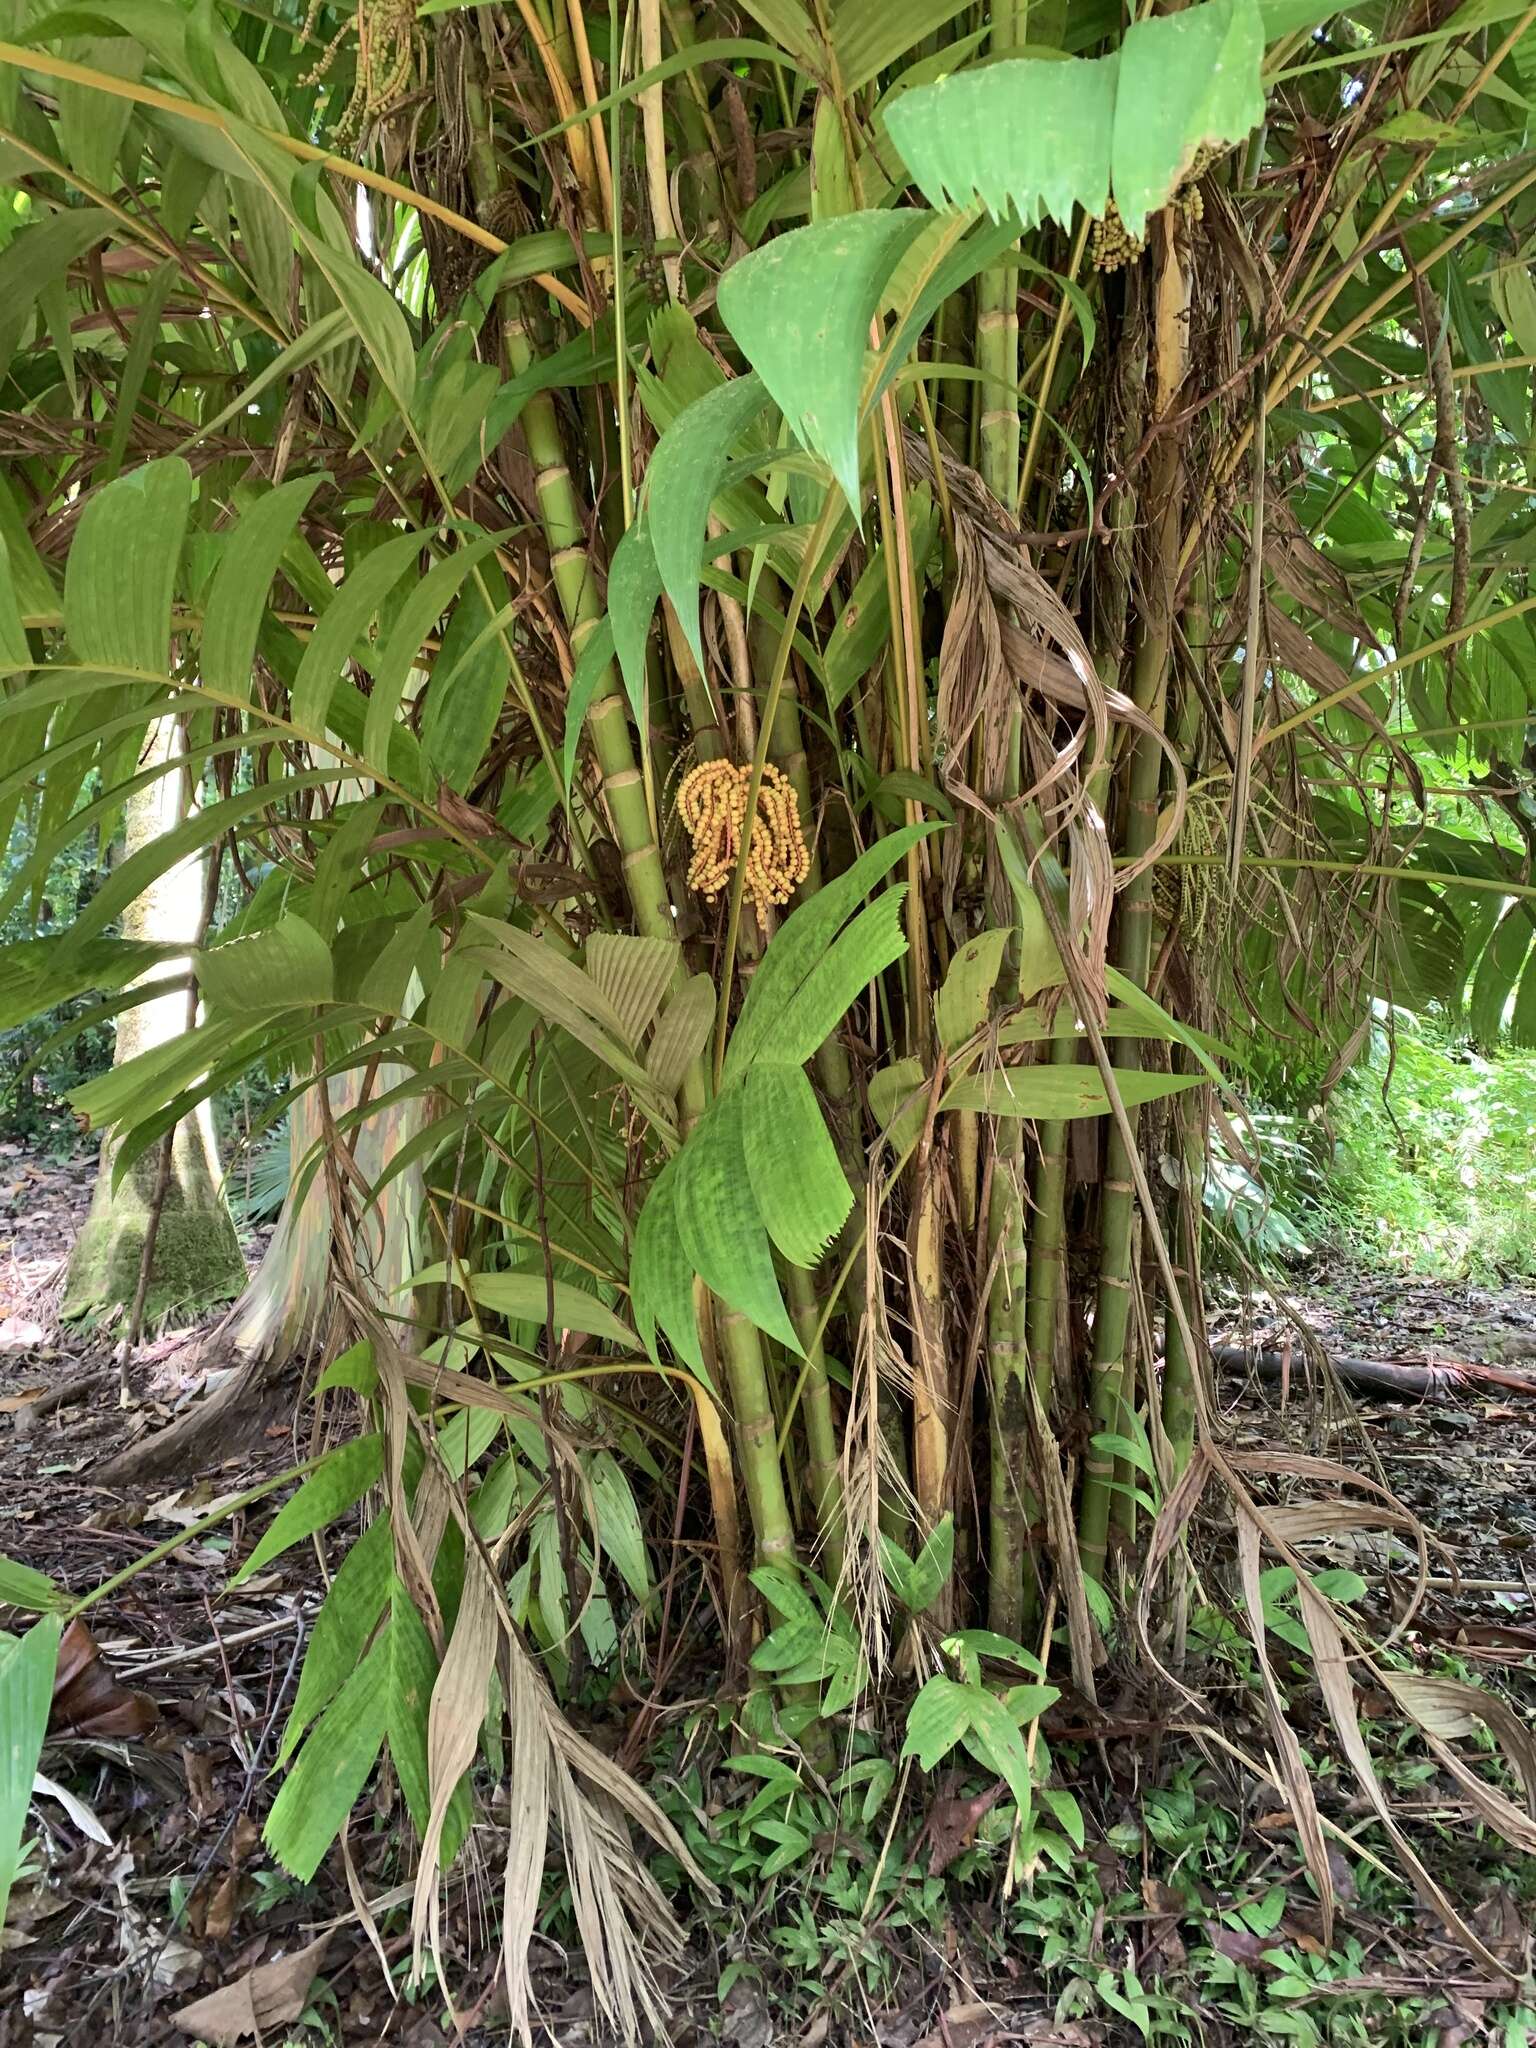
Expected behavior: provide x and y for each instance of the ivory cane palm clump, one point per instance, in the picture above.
(719, 711)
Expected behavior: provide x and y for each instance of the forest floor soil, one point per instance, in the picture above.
(149, 1886)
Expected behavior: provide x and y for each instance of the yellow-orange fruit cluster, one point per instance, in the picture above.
(1112, 245)
(712, 803)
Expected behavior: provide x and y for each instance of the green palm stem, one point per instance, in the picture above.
(1117, 1204)
(1013, 1504)
(576, 587)
(1179, 1399)
(907, 716)
(703, 148)
(630, 807)
(998, 445)
(1150, 671)
(786, 749)
(1047, 1280)
(1192, 1111)
(952, 402)
(706, 728)
(1047, 1291)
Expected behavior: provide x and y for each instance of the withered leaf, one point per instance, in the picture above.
(268, 1996)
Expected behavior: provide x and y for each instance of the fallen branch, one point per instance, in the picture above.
(1376, 1375)
(29, 1416)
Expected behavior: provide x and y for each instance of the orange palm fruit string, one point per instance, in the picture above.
(712, 803)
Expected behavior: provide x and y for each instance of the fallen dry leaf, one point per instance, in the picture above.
(1237, 1944)
(220, 1917)
(201, 1789)
(963, 2027)
(82, 1815)
(172, 1962)
(952, 1825)
(87, 1699)
(268, 1996)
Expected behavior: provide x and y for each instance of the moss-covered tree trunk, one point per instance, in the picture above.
(197, 1259)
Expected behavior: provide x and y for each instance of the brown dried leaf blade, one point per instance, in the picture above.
(269, 1996)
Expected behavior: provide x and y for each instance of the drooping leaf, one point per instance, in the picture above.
(39, 973)
(682, 1034)
(32, 1591)
(277, 969)
(37, 258)
(1187, 80)
(141, 348)
(337, 1483)
(993, 1738)
(318, 337)
(801, 308)
(802, 941)
(1522, 1022)
(340, 862)
(375, 316)
(128, 881)
(15, 654)
(873, 940)
(469, 680)
(415, 619)
(591, 668)
(121, 575)
(720, 1224)
(1026, 135)
(27, 1666)
(634, 974)
(237, 597)
(928, 1573)
(1041, 137)
(1498, 971)
(868, 35)
(332, 1768)
(521, 1297)
(342, 626)
(937, 1720)
(536, 972)
(961, 1005)
(30, 582)
(410, 1674)
(1059, 1091)
(800, 1188)
(617, 1522)
(347, 1618)
(683, 477)
(634, 584)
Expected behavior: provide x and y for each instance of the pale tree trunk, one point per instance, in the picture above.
(197, 1260)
